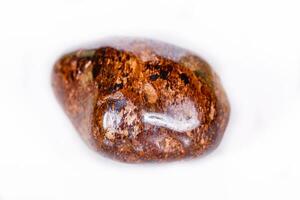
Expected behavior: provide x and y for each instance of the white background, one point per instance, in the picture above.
(253, 45)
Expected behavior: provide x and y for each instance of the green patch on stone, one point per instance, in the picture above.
(86, 53)
(200, 74)
(204, 77)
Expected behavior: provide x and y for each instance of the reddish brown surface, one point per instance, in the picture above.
(141, 100)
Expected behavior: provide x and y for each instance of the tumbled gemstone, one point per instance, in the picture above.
(142, 100)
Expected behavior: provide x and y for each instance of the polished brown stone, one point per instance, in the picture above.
(142, 100)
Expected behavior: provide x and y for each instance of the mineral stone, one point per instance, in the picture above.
(138, 100)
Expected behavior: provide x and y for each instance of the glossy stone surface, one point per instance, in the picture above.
(142, 100)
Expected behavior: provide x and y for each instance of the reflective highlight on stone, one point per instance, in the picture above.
(142, 100)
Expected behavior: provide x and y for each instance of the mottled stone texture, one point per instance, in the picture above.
(141, 100)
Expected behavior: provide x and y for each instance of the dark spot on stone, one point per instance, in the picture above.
(154, 77)
(72, 76)
(164, 74)
(148, 65)
(169, 68)
(157, 67)
(117, 86)
(184, 78)
(96, 71)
